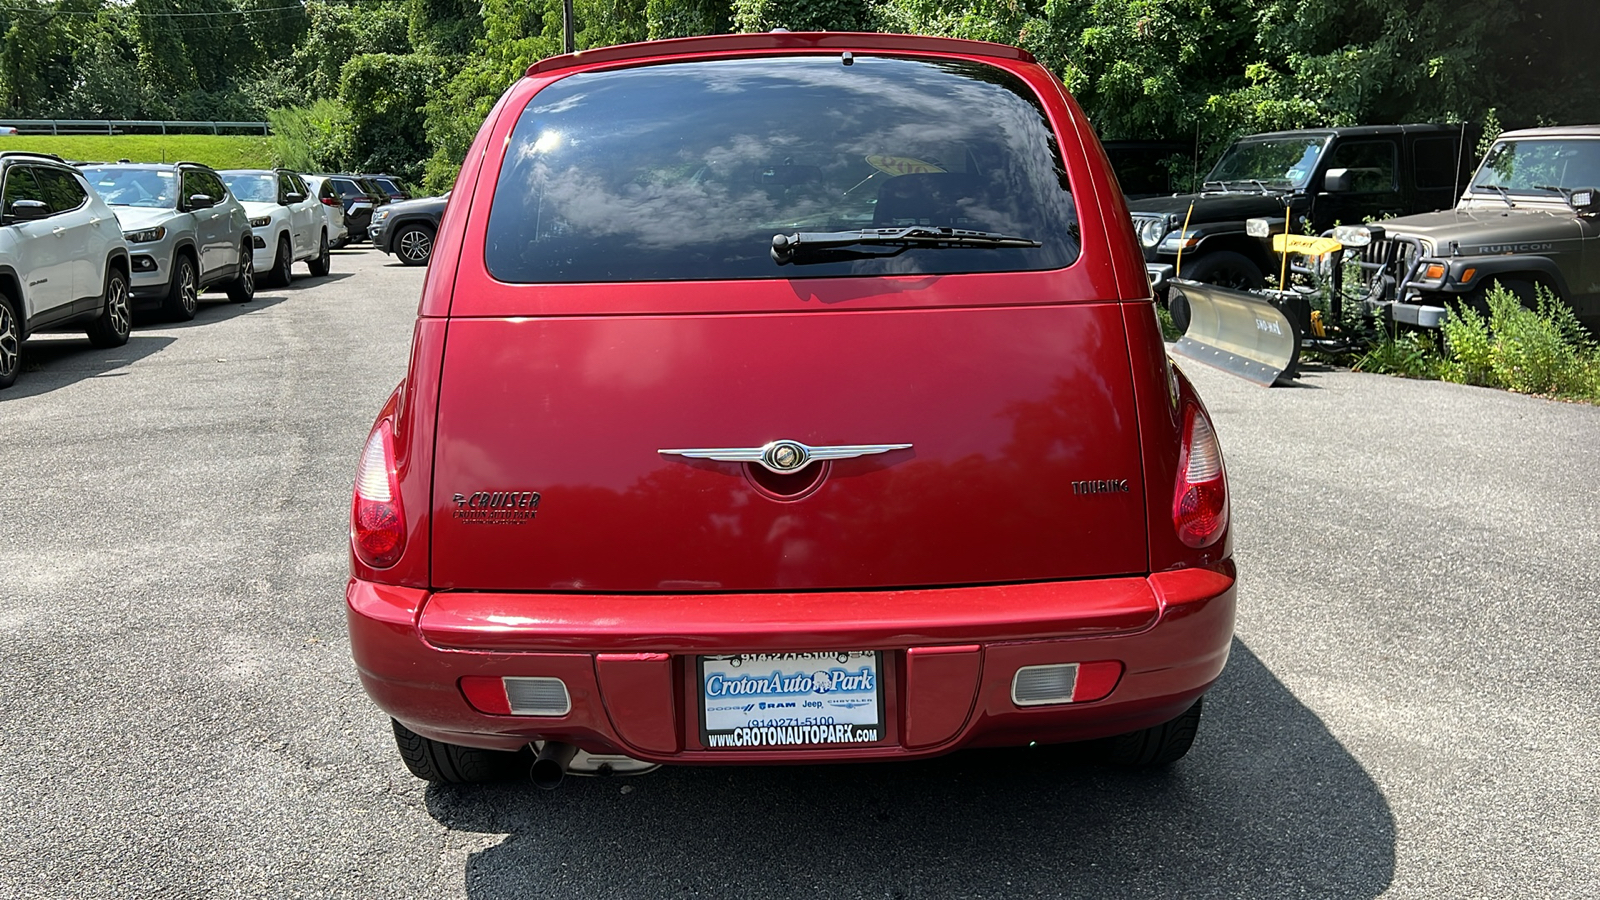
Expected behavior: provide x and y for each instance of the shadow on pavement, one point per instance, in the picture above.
(213, 308)
(52, 361)
(303, 282)
(1268, 804)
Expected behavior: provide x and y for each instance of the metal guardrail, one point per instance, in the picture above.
(130, 126)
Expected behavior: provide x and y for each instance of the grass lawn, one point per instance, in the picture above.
(227, 151)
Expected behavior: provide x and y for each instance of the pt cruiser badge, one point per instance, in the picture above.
(784, 457)
(496, 507)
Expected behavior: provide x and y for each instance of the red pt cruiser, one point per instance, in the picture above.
(787, 398)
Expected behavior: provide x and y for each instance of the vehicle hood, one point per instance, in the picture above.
(434, 205)
(1480, 229)
(255, 208)
(133, 218)
(1213, 207)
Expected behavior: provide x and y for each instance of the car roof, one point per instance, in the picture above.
(1577, 131)
(784, 41)
(1356, 131)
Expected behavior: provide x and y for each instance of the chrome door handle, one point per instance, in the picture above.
(58, 231)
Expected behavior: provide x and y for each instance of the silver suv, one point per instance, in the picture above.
(63, 263)
(185, 232)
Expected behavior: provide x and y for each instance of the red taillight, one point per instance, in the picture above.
(377, 523)
(1200, 504)
(329, 201)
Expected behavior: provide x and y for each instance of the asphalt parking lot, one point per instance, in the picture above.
(1409, 710)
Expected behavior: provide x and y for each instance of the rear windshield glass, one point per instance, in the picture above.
(688, 170)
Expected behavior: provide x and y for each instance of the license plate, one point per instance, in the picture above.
(779, 700)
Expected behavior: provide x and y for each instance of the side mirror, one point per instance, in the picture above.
(201, 201)
(1337, 181)
(293, 198)
(27, 211)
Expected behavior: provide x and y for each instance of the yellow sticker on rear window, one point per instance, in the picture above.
(902, 165)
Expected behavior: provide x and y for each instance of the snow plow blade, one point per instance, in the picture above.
(1245, 334)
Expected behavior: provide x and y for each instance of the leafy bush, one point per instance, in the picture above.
(1410, 354)
(1471, 349)
(1531, 351)
(311, 138)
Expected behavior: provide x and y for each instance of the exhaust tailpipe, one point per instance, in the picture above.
(550, 767)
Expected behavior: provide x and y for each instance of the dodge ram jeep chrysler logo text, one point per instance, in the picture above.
(496, 507)
(1112, 486)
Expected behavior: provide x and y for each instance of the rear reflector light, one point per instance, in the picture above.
(1064, 683)
(1037, 685)
(377, 522)
(538, 697)
(517, 696)
(1200, 503)
(486, 693)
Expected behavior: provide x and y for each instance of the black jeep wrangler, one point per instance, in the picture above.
(1530, 217)
(1323, 177)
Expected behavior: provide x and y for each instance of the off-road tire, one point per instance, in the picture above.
(283, 264)
(243, 288)
(115, 322)
(10, 342)
(1154, 747)
(441, 763)
(183, 292)
(321, 263)
(413, 244)
(1225, 268)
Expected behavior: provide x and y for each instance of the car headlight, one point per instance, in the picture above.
(379, 216)
(1180, 240)
(1150, 230)
(145, 235)
(1357, 235)
(260, 221)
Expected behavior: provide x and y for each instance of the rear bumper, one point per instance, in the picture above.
(948, 662)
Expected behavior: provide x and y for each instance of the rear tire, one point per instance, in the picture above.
(10, 342)
(320, 264)
(1226, 268)
(441, 763)
(183, 294)
(243, 288)
(115, 322)
(1154, 747)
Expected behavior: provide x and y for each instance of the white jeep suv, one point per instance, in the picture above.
(185, 233)
(63, 262)
(286, 221)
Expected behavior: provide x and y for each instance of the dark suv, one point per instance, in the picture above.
(359, 201)
(1321, 177)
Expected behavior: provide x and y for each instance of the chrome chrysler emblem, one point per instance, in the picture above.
(784, 457)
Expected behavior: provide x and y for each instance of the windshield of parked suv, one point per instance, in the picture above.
(128, 186)
(1539, 166)
(253, 188)
(1280, 163)
(688, 170)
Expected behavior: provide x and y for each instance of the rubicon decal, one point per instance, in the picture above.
(496, 507)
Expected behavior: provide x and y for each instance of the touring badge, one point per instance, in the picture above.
(496, 507)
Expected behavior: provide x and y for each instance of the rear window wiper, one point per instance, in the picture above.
(787, 248)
